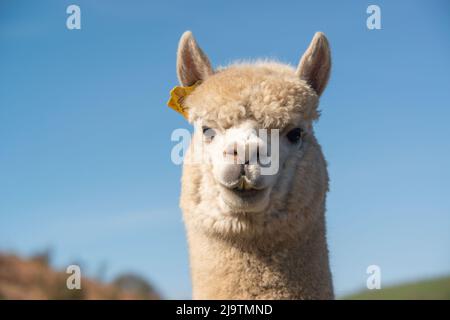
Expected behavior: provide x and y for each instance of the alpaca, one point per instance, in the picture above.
(255, 236)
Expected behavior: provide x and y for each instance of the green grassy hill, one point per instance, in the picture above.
(438, 288)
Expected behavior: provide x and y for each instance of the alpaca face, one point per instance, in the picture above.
(253, 128)
(245, 162)
(237, 165)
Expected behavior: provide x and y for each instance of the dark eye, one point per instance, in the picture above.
(294, 135)
(208, 133)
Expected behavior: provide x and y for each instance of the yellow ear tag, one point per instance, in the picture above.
(177, 95)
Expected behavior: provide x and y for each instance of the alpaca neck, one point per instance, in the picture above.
(261, 269)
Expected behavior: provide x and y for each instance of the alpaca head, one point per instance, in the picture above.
(260, 164)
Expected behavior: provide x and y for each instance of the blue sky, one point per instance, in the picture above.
(85, 132)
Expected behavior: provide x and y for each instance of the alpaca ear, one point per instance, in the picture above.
(192, 64)
(315, 64)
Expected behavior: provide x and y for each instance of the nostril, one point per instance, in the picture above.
(231, 151)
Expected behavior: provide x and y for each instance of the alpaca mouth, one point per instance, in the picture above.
(245, 200)
(246, 193)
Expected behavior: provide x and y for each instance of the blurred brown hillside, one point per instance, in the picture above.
(35, 279)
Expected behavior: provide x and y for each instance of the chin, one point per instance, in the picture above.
(240, 214)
